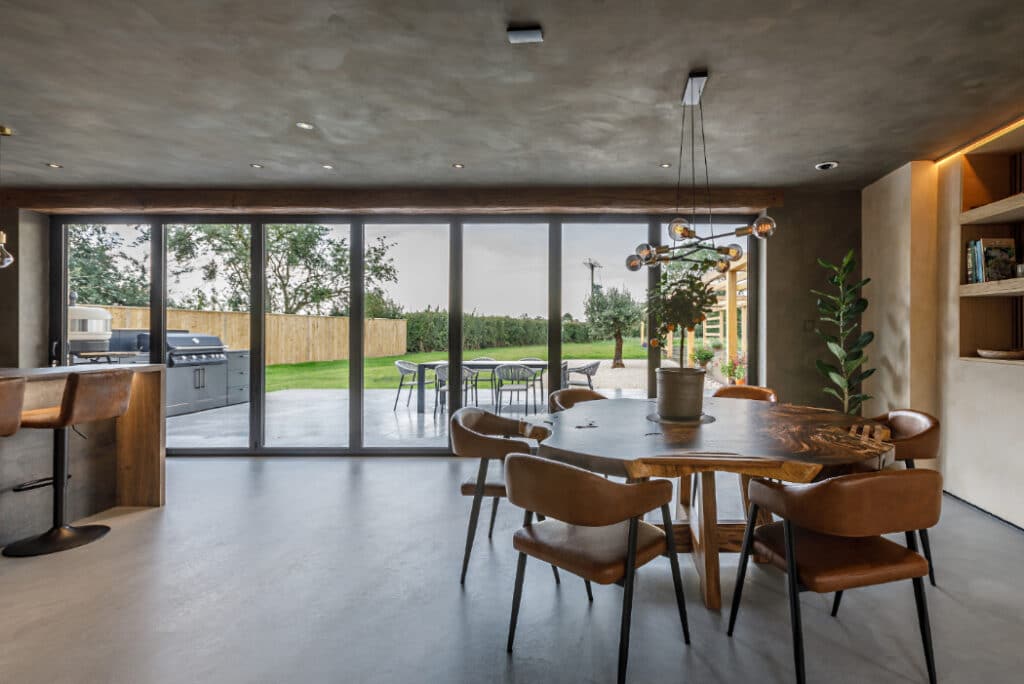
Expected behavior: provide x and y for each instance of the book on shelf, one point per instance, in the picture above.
(972, 273)
(999, 258)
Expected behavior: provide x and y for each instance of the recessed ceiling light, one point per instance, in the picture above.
(304, 125)
(54, 165)
(256, 166)
(458, 165)
(327, 166)
(525, 33)
(665, 165)
(826, 166)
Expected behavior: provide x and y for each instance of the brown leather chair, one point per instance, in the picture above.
(594, 530)
(476, 433)
(12, 398)
(830, 539)
(567, 398)
(747, 392)
(754, 393)
(87, 397)
(915, 434)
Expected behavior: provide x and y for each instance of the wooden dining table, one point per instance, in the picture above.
(624, 437)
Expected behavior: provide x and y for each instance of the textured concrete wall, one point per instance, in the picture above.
(24, 290)
(812, 224)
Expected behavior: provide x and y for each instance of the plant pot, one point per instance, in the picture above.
(741, 381)
(680, 393)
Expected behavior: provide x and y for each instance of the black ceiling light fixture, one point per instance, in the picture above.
(685, 242)
(524, 34)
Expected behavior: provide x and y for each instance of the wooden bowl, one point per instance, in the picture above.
(1002, 355)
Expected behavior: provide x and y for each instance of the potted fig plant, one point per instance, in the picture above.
(680, 300)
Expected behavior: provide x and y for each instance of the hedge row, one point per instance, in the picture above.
(428, 331)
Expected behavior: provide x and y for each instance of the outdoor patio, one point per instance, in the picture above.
(319, 418)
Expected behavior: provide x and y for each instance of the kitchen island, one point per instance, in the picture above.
(116, 462)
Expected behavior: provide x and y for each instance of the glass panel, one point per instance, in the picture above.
(603, 345)
(405, 334)
(505, 297)
(108, 292)
(208, 308)
(713, 341)
(307, 301)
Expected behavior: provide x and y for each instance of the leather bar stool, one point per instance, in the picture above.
(87, 397)
(12, 398)
(915, 434)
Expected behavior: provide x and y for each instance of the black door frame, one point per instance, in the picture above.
(357, 224)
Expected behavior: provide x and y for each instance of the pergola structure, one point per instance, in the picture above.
(724, 320)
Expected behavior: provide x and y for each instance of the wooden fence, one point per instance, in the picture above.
(290, 338)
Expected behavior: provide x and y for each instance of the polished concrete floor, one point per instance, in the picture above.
(346, 570)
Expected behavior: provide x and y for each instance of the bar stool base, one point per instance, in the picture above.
(56, 539)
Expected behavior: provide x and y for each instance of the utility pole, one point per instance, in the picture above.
(592, 265)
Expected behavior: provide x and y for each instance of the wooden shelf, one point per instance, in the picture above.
(1008, 210)
(978, 359)
(1011, 287)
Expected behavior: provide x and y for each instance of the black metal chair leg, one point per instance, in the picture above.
(741, 573)
(474, 515)
(677, 578)
(590, 592)
(558, 580)
(494, 514)
(517, 596)
(627, 599)
(926, 547)
(793, 580)
(926, 630)
(399, 394)
(835, 603)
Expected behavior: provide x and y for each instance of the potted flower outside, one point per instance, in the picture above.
(681, 299)
(735, 371)
(702, 355)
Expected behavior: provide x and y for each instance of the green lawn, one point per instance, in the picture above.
(380, 372)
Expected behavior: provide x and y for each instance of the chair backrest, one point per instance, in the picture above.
(577, 496)
(513, 372)
(860, 505)
(12, 401)
(406, 367)
(441, 372)
(95, 396)
(915, 434)
(569, 397)
(747, 392)
(482, 358)
(476, 433)
(589, 368)
(531, 358)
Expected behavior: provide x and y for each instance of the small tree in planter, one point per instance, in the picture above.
(840, 310)
(680, 300)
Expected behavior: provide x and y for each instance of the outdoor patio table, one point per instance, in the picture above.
(422, 368)
(623, 437)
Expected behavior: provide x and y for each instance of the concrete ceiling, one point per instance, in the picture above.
(187, 93)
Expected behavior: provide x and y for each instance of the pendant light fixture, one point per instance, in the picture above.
(685, 242)
(6, 258)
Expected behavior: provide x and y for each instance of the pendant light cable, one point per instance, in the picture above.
(707, 174)
(679, 163)
(693, 175)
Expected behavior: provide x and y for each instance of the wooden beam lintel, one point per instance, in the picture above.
(587, 200)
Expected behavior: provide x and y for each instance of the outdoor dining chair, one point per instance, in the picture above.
(538, 373)
(587, 370)
(407, 371)
(469, 386)
(512, 379)
(485, 375)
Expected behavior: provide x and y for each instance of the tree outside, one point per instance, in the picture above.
(613, 313)
(105, 267)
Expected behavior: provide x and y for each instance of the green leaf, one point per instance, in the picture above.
(831, 392)
(825, 295)
(837, 351)
(864, 340)
(862, 376)
(858, 307)
(828, 338)
(826, 368)
(839, 380)
(825, 264)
